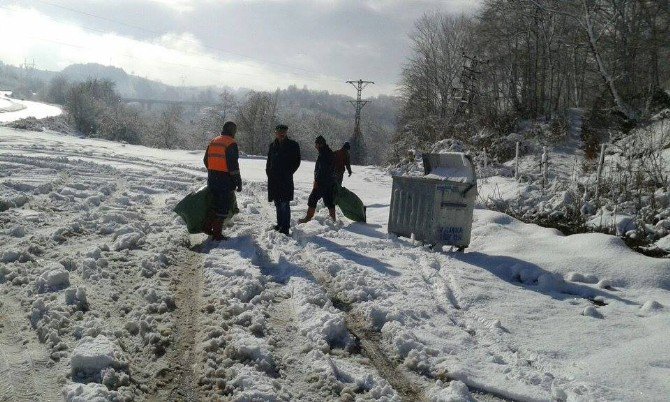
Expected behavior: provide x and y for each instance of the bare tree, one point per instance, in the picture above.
(168, 130)
(432, 77)
(256, 118)
(211, 119)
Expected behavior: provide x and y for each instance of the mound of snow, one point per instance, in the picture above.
(591, 311)
(651, 306)
(621, 223)
(92, 356)
(664, 243)
(453, 392)
(91, 392)
(577, 277)
(54, 279)
(77, 297)
(128, 241)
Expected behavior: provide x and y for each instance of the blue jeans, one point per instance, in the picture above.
(283, 215)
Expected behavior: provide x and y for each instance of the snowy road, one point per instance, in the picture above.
(336, 312)
(14, 109)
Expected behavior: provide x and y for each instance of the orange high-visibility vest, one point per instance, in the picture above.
(216, 153)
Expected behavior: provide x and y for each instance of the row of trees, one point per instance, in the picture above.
(528, 59)
(95, 109)
(307, 113)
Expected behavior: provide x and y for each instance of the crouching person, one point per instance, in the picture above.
(223, 176)
(324, 181)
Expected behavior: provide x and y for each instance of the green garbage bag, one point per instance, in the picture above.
(351, 206)
(194, 207)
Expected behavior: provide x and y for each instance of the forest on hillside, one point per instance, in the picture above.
(477, 78)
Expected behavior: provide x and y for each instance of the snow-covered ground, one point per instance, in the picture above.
(104, 294)
(14, 109)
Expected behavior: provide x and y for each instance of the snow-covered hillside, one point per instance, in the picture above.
(14, 109)
(104, 294)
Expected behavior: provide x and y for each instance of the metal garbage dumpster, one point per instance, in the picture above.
(437, 207)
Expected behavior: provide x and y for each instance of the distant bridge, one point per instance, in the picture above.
(148, 103)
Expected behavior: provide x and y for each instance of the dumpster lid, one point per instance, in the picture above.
(449, 166)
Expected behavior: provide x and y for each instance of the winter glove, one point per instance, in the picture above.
(349, 174)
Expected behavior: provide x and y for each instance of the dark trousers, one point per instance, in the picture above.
(221, 186)
(327, 192)
(339, 176)
(283, 215)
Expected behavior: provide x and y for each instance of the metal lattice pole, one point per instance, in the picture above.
(357, 152)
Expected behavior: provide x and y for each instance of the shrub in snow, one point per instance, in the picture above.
(52, 280)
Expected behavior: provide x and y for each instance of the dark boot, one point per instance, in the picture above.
(217, 228)
(207, 225)
(309, 216)
(331, 211)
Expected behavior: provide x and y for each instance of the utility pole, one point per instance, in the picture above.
(357, 151)
(468, 98)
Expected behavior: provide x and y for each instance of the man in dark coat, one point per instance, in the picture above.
(283, 161)
(324, 181)
(223, 176)
(342, 161)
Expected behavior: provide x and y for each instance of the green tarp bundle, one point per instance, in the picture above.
(194, 207)
(351, 206)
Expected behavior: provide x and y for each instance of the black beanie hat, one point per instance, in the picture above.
(320, 140)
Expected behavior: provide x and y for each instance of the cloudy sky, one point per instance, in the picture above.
(259, 44)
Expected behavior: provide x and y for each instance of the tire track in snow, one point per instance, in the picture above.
(408, 385)
(409, 389)
(24, 363)
(186, 286)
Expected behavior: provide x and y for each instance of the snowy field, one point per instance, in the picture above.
(14, 109)
(103, 294)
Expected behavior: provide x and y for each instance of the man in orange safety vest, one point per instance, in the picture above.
(223, 176)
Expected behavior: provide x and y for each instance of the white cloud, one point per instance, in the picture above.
(177, 5)
(170, 58)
